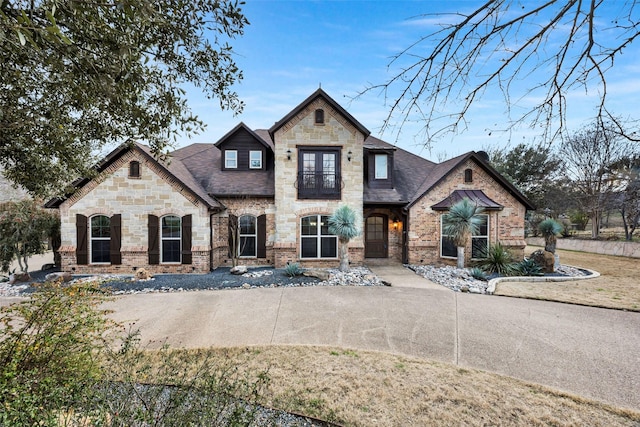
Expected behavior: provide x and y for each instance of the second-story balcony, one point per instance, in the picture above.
(319, 185)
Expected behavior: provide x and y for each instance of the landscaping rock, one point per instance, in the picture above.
(142, 274)
(544, 259)
(64, 276)
(317, 273)
(239, 269)
(19, 277)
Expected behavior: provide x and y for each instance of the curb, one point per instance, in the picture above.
(491, 288)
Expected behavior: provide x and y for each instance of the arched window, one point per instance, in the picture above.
(247, 230)
(315, 239)
(468, 175)
(100, 239)
(319, 116)
(171, 236)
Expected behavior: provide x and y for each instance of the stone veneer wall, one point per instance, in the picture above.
(505, 226)
(155, 192)
(301, 131)
(619, 248)
(255, 206)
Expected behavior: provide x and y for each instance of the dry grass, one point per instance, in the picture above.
(617, 287)
(362, 388)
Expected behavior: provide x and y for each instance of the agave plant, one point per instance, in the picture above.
(344, 224)
(550, 228)
(462, 221)
(497, 259)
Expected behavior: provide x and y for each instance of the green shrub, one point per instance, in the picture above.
(528, 267)
(478, 274)
(497, 259)
(293, 269)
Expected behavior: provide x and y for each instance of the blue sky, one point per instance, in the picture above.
(292, 47)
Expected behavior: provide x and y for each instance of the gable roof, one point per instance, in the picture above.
(315, 95)
(268, 143)
(441, 170)
(175, 169)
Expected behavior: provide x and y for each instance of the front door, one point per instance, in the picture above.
(375, 237)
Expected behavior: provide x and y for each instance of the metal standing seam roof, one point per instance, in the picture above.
(475, 196)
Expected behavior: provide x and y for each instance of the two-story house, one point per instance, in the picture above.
(275, 189)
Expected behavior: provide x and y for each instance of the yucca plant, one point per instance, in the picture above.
(497, 259)
(460, 223)
(550, 228)
(344, 224)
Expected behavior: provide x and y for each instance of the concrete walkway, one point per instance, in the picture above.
(588, 351)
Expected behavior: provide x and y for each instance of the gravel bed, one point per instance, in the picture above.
(460, 280)
(220, 278)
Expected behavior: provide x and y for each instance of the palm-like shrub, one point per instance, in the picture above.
(497, 259)
(344, 224)
(460, 223)
(550, 228)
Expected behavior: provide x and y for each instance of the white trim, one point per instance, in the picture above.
(162, 239)
(482, 236)
(251, 160)
(91, 239)
(379, 171)
(231, 162)
(255, 236)
(318, 236)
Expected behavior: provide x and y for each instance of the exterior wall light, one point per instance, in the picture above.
(288, 154)
(349, 155)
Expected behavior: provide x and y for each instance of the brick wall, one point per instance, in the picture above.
(505, 226)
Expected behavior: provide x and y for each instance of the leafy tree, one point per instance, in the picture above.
(460, 223)
(24, 227)
(77, 75)
(590, 157)
(547, 48)
(531, 168)
(344, 224)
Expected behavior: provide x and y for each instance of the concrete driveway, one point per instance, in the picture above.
(587, 351)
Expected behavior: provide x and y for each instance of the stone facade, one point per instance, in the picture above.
(505, 226)
(154, 192)
(302, 131)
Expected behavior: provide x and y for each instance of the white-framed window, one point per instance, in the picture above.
(248, 232)
(381, 166)
(315, 239)
(100, 235)
(480, 240)
(255, 159)
(231, 159)
(447, 246)
(171, 239)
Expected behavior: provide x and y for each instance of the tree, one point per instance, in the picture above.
(590, 158)
(76, 76)
(630, 209)
(24, 227)
(550, 48)
(344, 224)
(460, 223)
(531, 168)
(550, 228)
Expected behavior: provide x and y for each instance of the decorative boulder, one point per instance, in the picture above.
(142, 274)
(19, 277)
(63, 276)
(239, 269)
(317, 273)
(544, 259)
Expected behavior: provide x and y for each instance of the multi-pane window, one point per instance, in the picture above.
(480, 239)
(447, 246)
(247, 230)
(319, 174)
(315, 240)
(255, 159)
(381, 168)
(100, 239)
(231, 159)
(171, 236)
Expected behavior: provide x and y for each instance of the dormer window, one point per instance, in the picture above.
(255, 159)
(468, 175)
(231, 159)
(319, 116)
(134, 169)
(381, 165)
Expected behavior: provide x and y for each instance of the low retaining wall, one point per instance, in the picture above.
(604, 247)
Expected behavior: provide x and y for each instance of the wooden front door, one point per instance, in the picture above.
(376, 236)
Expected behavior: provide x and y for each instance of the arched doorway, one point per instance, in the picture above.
(376, 236)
